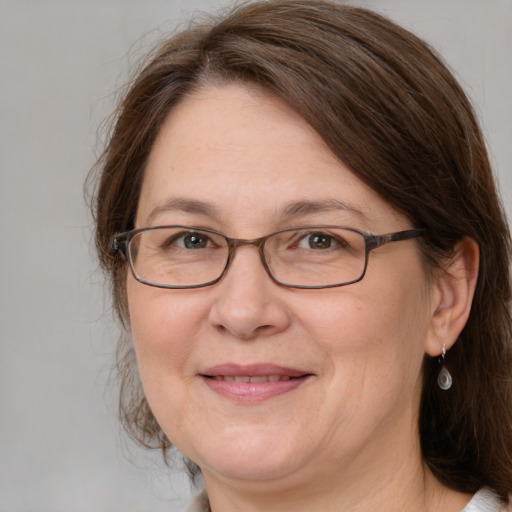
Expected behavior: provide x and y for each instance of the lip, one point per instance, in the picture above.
(232, 381)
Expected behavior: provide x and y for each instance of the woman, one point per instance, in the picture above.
(306, 248)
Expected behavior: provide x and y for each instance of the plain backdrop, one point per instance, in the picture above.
(61, 63)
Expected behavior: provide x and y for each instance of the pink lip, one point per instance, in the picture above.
(279, 380)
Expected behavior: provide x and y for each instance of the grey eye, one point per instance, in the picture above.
(195, 241)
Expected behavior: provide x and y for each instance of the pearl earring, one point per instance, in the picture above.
(444, 379)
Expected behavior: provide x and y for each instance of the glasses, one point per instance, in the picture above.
(301, 257)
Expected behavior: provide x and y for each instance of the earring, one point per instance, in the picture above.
(444, 379)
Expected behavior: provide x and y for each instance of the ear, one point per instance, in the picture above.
(452, 295)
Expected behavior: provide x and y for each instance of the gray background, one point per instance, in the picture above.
(60, 61)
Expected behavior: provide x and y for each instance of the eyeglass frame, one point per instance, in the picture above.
(121, 243)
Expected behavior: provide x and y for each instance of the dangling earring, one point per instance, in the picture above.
(444, 379)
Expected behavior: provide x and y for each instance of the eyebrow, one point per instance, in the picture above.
(306, 207)
(185, 205)
(290, 210)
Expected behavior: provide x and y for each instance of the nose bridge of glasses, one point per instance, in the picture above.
(258, 243)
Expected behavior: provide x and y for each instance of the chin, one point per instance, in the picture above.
(253, 457)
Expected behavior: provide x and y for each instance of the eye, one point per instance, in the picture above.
(320, 241)
(193, 240)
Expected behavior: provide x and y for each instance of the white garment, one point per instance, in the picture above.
(484, 500)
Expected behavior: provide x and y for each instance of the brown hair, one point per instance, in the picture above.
(389, 109)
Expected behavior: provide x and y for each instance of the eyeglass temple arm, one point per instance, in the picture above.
(120, 246)
(375, 241)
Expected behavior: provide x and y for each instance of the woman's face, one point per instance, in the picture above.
(348, 359)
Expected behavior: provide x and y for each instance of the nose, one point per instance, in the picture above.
(247, 301)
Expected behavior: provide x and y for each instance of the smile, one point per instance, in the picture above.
(246, 378)
(253, 383)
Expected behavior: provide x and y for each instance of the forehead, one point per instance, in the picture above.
(249, 156)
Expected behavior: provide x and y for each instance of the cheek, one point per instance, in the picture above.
(163, 329)
(373, 332)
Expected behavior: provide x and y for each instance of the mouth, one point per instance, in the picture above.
(247, 378)
(253, 383)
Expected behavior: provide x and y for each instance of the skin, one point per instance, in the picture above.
(346, 438)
